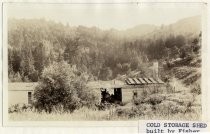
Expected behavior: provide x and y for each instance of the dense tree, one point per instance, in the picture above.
(104, 54)
(39, 57)
(62, 86)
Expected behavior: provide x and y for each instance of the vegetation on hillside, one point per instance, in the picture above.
(102, 54)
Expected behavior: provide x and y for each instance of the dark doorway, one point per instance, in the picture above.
(118, 94)
(29, 98)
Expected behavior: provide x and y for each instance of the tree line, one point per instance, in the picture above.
(35, 44)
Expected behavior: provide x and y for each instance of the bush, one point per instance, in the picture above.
(19, 108)
(169, 108)
(130, 112)
(15, 77)
(62, 86)
(192, 79)
(138, 101)
(196, 89)
(154, 99)
(146, 109)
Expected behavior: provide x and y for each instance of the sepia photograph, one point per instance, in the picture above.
(103, 62)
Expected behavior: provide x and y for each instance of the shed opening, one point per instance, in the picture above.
(29, 97)
(111, 98)
(118, 94)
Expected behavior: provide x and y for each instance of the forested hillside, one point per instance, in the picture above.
(34, 44)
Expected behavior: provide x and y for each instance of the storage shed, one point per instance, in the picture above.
(20, 93)
(125, 91)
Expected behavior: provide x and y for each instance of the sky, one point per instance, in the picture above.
(105, 16)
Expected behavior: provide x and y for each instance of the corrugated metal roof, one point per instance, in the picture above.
(143, 81)
(131, 81)
(128, 82)
(147, 80)
(152, 80)
(22, 86)
(160, 81)
(137, 81)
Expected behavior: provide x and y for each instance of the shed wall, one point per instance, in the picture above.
(18, 97)
(127, 93)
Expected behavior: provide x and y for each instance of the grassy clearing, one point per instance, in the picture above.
(170, 109)
(81, 114)
(85, 114)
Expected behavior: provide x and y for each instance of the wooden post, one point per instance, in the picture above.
(155, 70)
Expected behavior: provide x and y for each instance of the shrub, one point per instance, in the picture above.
(14, 108)
(15, 77)
(19, 108)
(196, 89)
(146, 109)
(129, 112)
(154, 99)
(138, 101)
(192, 79)
(62, 86)
(169, 108)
